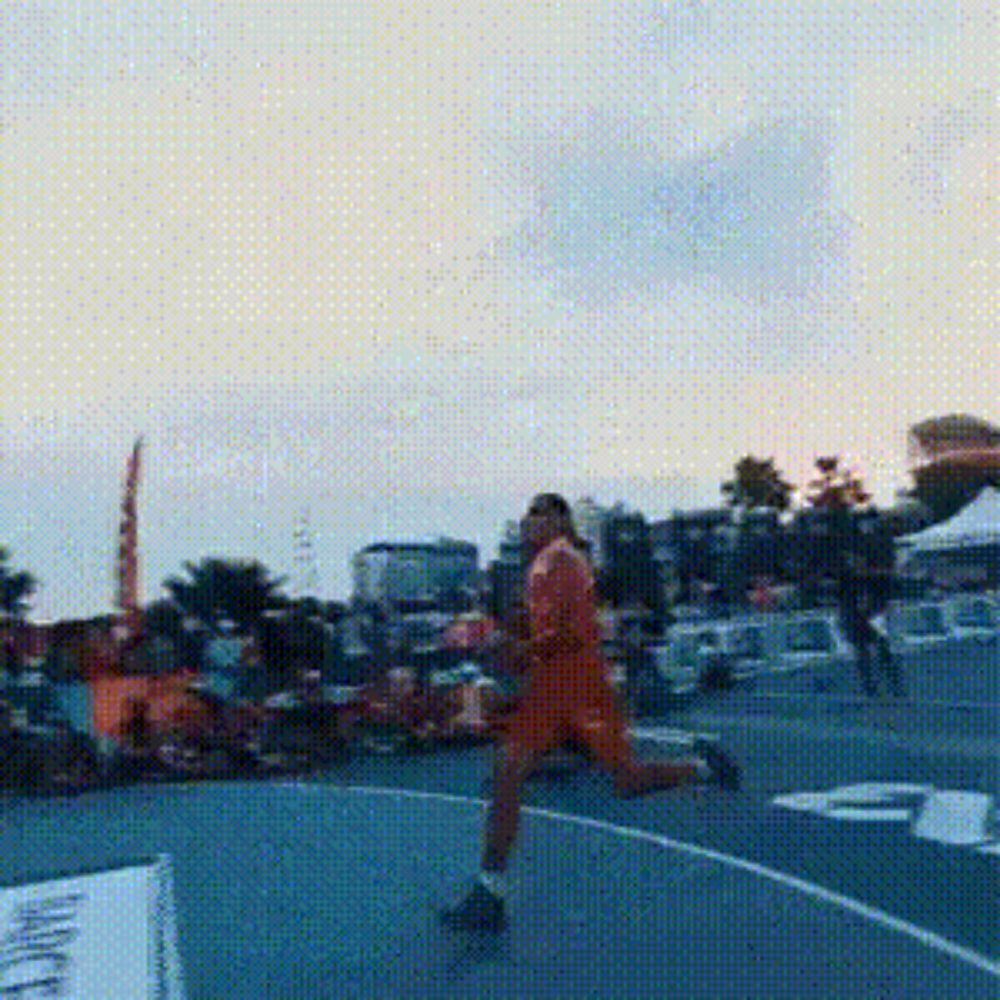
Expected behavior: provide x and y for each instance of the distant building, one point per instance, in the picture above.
(629, 575)
(505, 576)
(761, 543)
(719, 551)
(817, 538)
(590, 521)
(688, 542)
(415, 575)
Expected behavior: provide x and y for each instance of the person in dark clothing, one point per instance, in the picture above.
(136, 729)
(20, 755)
(137, 747)
(71, 761)
(863, 592)
(11, 657)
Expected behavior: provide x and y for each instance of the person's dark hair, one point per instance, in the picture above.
(551, 502)
(555, 503)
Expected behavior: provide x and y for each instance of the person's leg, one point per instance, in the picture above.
(708, 764)
(484, 908)
(602, 728)
(863, 665)
(514, 763)
(633, 777)
(890, 667)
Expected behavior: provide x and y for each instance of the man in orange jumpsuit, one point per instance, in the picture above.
(567, 696)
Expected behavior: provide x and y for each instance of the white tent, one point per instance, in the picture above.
(974, 525)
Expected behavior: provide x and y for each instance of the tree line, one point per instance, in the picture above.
(240, 591)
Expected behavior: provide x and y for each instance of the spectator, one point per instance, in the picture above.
(136, 731)
(863, 592)
(762, 596)
(71, 759)
(12, 663)
(18, 751)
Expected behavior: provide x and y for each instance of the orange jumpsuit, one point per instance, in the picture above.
(568, 694)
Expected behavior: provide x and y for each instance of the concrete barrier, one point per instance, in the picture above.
(784, 641)
(749, 644)
(974, 615)
(918, 624)
(921, 623)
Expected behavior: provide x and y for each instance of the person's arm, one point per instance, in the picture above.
(505, 647)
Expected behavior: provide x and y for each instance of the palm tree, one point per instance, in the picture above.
(836, 488)
(217, 589)
(757, 483)
(15, 588)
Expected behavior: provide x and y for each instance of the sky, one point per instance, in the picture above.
(392, 268)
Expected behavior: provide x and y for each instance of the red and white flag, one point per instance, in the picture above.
(128, 547)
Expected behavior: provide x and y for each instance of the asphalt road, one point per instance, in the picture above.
(861, 859)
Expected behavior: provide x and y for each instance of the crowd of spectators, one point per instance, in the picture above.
(103, 722)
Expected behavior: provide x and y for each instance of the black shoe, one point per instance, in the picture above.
(726, 772)
(480, 910)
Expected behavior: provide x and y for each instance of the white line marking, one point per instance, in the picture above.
(852, 699)
(671, 736)
(921, 935)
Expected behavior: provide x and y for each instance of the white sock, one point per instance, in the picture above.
(495, 882)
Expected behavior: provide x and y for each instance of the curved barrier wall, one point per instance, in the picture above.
(774, 642)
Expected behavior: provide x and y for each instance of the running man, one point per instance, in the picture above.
(863, 592)
(567, 696)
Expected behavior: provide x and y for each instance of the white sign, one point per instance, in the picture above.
(107, 936)
(956, 818)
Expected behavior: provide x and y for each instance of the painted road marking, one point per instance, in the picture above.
(810, 697)
(962, 818)
(868, 803)
(955, 818)
(927, 938)
(671, 735)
